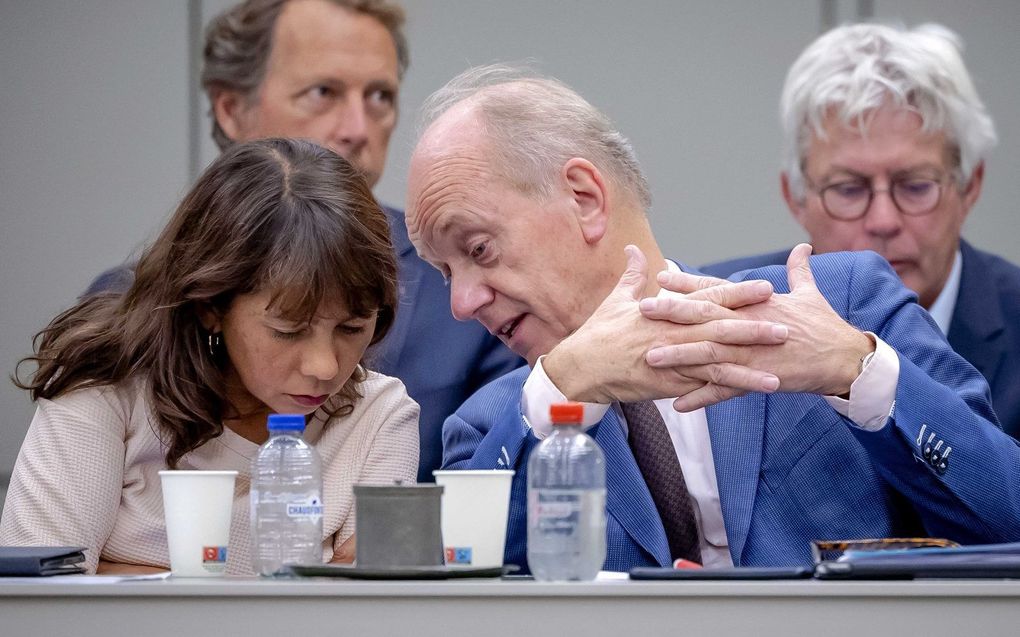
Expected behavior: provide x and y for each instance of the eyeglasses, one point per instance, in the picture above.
(850, 200)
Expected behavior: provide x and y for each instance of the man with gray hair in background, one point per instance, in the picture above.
(330, 71)
(886, 139)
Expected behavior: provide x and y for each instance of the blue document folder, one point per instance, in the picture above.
(987, 561)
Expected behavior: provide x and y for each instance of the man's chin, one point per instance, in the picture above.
(532, 353)
(908, 273)
(371, 176)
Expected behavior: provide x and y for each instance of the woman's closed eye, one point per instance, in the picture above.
(351, 328)
(287, 335)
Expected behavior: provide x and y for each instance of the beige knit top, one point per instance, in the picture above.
(87, 473)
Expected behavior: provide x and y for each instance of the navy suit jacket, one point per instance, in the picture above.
(980, 330)
(440, 360)
(790, 469)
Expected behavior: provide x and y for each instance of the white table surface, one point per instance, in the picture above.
(314, 607)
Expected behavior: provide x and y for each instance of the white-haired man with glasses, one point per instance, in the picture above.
(886, 138)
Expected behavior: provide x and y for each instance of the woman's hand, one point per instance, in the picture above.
(117, 568)
(345, 553)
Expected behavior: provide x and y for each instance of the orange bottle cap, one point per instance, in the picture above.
(566, 413)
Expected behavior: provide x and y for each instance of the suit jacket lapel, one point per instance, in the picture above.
(628, 499)
(409, 275)
(977, 323)
(736, 428)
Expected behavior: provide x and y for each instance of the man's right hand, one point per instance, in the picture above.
(604, 360)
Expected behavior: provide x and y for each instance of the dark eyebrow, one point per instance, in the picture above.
(345, 318)
(384, 85)
(273, 315)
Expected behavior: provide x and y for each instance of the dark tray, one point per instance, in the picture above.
(392, 573)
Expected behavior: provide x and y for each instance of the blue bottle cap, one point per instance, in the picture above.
(286, 422)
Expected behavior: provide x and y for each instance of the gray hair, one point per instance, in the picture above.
(239, 40)
(858, 68)
(535, 124)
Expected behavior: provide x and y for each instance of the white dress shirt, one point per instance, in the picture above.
(942, 309)
(872, 397)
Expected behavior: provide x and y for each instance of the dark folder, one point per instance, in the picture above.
(746, 573)
(989, 561)
(41, 560)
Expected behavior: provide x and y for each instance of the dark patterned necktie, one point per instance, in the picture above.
(656, 458)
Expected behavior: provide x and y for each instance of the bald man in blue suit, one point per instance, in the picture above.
(816, 402)
(789, 468)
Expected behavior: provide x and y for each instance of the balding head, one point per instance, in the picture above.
(524, 196)
(534, 124)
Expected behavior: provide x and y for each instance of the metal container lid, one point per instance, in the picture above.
(398, 491)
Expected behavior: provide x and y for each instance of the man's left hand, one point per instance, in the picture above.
(822, 354)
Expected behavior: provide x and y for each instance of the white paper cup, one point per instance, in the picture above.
(196, 508)
(473, 517)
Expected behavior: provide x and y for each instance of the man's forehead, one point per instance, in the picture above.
(315, 29)
(441, 189)
(836, 129)
(457, 129)
(836, 121)
(453, 140)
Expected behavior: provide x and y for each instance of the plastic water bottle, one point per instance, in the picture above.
(286, 499)
(566, 501)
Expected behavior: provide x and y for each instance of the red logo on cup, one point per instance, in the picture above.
(214, 554)
(458, 554)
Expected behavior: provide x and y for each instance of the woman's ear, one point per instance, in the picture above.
(210, 318)
(588, 191)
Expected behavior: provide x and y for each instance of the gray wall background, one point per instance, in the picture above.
(102, 129)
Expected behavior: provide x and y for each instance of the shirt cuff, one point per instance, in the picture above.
(540, 393)
(873, 394)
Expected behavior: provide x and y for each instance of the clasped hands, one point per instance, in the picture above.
(708, 340)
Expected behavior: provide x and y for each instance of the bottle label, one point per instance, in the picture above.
(556, 511)
(307, 509)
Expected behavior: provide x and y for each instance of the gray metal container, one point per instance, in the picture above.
(398, 526)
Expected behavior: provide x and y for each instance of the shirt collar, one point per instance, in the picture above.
(671, 267)
(942, 309)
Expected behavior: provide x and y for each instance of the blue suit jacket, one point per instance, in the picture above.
(441, 361)
(790, 469)
(980, 331)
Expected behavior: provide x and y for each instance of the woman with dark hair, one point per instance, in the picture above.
(261, 295)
